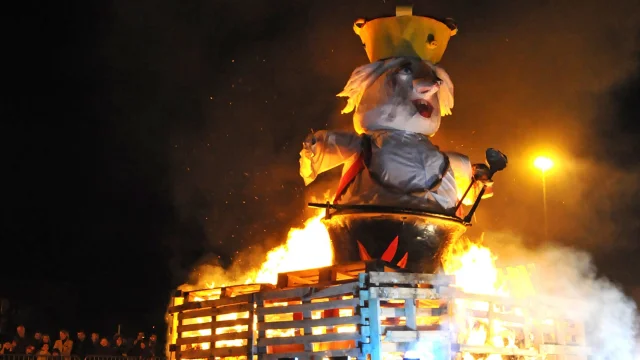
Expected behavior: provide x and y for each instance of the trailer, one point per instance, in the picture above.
(366, 310)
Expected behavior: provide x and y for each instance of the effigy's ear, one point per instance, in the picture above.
(445, 94)
(361, 78)
(358, 82)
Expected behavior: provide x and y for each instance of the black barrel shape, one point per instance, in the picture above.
(420, 237)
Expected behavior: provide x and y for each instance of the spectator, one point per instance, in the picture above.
(64, 345)
(95, 341)
(144, 351)
(82, 346)
(7, 349)
(37, 340)
(55, 353)
(31, 350)
(120, 348)
(139, 339)
(104, 349)
(44, 353)
(21, 341)
(153, 344)
(46, 339)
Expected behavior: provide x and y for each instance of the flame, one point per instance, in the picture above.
(306, 248)
(475, 271)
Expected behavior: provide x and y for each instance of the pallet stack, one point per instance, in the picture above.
(362, 310)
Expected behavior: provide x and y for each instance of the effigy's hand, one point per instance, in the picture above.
(306, 157)
(482, 174)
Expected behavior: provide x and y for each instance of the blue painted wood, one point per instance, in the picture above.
(374, 324)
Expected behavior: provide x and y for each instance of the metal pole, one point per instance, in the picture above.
(544, 206)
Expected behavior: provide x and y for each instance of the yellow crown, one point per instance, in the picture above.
(405, 35)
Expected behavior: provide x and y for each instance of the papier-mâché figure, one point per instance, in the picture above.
(398, 100)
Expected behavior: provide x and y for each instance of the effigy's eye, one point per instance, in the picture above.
(406, 70)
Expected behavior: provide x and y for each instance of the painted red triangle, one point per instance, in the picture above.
(391, 251)
(403, 262)
(364, 255)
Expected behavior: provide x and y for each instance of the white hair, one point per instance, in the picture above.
(365, 75)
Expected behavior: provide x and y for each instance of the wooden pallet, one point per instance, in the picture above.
(305, 322)
(357, 312)
(333, 274)
(220, 326)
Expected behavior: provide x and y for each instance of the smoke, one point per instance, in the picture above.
(611, 318)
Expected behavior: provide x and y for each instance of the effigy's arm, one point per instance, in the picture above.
(463, 172)
(325, 150)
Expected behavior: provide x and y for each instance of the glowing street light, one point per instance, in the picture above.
(544, 164)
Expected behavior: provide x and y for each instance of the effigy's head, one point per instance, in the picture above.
(402, 88)
(400, 93)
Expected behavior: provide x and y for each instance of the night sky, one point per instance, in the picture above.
(143, 137)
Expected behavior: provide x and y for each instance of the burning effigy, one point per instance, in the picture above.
(403, 195)
(382, 271)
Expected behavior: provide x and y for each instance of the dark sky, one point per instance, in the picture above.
(142, 136)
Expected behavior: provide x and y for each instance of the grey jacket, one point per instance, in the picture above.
(404, 169)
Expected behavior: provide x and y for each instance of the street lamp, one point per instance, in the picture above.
(543, 164)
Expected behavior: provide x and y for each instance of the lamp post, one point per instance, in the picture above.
(543, 164)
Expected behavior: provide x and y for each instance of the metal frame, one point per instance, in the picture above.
(373, 210)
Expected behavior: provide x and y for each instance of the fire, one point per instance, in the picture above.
(306, 248)
(475, 271)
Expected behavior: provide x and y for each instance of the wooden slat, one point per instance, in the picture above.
(335, 304)
(239, 308)
(308, 339)
(409, 278)
(229, 323)
(410, 311)
(241, 335)
(350, 288)
(215, 324)
(240, 299)
(299, 324)
(195, 354)
(194, 327)
(315, 354)
(388, 347)
(409, 336)
(402, 293)
(308, 292)
(196, 313)
(213, 338)
(193, 340)
(251, 340)
(231, 351)
(299, 280)
(375, 330)
(399, 312)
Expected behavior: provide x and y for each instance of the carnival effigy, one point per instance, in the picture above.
(390, 165)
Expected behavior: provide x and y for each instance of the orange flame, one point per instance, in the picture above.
(475, 272)
(306, 248)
